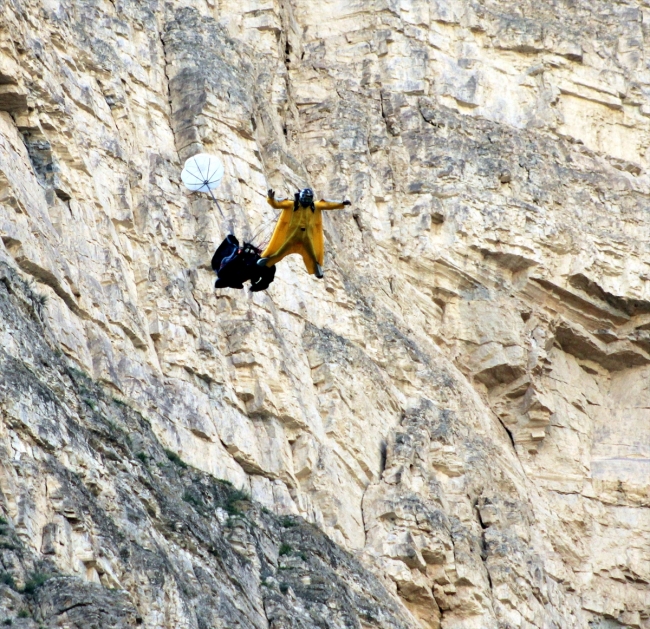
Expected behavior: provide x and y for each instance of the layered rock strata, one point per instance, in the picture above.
(462, 401)
(129, 534)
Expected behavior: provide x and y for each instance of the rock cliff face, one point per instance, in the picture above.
(460, 405)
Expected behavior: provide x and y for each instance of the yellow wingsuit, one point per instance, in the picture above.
(299, 230)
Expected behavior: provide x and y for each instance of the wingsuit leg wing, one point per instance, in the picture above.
(290, 246)
(310, 256)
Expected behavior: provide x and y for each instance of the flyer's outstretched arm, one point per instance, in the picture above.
(286, 204)
(331, 205)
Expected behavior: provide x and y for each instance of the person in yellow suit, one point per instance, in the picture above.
(299, 230)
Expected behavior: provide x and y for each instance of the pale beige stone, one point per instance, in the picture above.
(463, 400)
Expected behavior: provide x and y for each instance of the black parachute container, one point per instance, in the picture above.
(234, 264)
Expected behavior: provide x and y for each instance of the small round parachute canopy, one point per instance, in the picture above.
(202, 173)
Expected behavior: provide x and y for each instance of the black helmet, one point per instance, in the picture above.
(306, 197)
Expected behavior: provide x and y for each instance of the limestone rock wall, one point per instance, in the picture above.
(462, 401)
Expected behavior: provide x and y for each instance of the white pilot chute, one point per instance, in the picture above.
(203, 173)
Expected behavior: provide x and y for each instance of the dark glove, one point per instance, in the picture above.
(271, 193)
(347, 203)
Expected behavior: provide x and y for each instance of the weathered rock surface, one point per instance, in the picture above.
(149, 540)
(462, 402)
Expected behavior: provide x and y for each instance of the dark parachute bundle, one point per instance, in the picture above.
(235, 264)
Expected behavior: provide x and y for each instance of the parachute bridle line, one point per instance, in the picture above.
(265, 225)
(217, 202)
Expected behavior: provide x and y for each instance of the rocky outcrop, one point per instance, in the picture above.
(149, 540)
(461, 402)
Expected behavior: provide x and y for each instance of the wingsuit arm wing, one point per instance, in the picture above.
(280, 233)
(331, 205)
(286, 204)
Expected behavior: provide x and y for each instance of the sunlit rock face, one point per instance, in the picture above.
(460, 405)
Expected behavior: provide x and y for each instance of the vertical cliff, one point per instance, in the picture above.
(451, 429)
